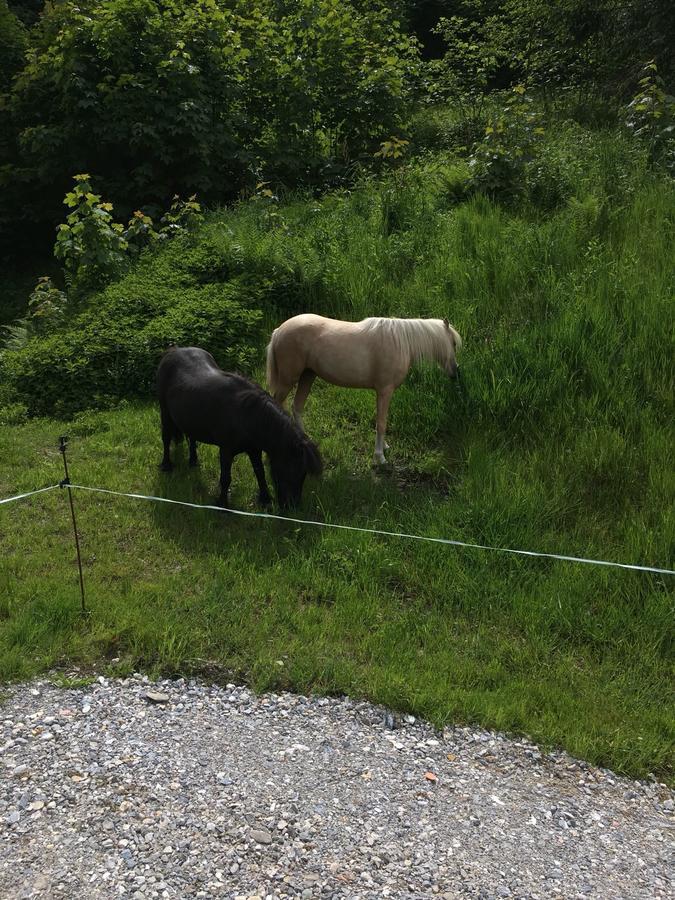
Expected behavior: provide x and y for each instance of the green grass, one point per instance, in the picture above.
(561, 443)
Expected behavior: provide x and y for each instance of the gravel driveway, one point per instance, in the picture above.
(214, 792)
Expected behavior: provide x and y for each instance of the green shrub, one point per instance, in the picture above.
(466, 73)
(110, 350)
(499, 161)
(13, 43)
(91, 246)
(13, 413)
(650, 117)
(555, 171)
(155, 98)
(95, 249)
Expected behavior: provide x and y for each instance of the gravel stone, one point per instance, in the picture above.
(218, 793)
(156, 697)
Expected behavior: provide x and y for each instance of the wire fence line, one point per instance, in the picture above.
(354, 528)
(29, 494)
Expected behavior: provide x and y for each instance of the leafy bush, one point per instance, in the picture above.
(110, 350)
(466, 72)
(13, 43)
(156, 98)
(650, 116)
(94, 248)
(499, 161)
(91, 246)
(594, 48)
(556, 169)
(46, 305)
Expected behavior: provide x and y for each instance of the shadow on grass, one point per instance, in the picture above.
(340, 496)
(209, 531)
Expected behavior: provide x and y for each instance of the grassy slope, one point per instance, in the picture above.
(561, 444)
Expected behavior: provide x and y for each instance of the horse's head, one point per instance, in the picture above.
(453, 344)
(290, 468)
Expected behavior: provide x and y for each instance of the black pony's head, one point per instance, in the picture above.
(290, 467)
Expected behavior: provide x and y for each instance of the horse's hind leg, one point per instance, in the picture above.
(168, 430)
(383, 401)
(264, 496)
(192, 460)
(302, 392)
(281, 392)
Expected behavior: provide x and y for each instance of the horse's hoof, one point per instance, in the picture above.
(194, 463)
(264, 500)
(379, 460)
(166, 467)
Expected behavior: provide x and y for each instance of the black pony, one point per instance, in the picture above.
(199, 400)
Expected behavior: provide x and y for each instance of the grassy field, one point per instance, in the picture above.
(562, 443)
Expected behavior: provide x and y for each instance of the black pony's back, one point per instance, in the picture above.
(214, 406)
(198, 399)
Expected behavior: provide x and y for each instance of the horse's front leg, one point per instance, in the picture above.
(225, 475)
(193, 461)
(383, 401)
(386, 443)
(264, 497)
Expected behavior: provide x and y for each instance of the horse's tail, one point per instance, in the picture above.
(272, 371)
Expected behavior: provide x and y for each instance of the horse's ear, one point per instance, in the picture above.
(447, 324)
(312, 457)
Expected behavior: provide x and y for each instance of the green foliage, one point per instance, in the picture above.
(561, 442)
(570, 44)
(13, 413)
(140, 232)
(499, 161)
(266, 203)
(95, 249)
(13, 44)
(466, 72)
(182, 216)
(46, 305)
(650, 116)
(158, 98)
(91, 246)
(393, 149)
(28, 11)
(111, 348)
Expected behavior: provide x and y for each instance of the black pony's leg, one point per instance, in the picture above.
(193, 461)
(263, 491)
(167, 433)
(225, 475)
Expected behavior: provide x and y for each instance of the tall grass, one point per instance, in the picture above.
(560, 443)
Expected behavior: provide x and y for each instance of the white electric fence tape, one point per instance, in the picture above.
(411, 537)
(29, 494)
(378, 531)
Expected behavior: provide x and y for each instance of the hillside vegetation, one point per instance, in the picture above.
(225, 165)
(560, 442)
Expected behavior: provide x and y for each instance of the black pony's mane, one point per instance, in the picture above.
(253, 396)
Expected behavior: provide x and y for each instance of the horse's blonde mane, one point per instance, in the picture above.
(418, 338)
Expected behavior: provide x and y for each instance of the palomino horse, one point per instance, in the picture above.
(374, 353)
